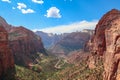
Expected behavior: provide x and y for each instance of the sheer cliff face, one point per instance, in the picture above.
(23, 43)
(106, 42)
(6, 57)
(112, 54)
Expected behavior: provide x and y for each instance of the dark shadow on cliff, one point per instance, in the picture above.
(9, 74)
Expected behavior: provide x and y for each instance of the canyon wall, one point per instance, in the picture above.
(106, 43)
(6, 56)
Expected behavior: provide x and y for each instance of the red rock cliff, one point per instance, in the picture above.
(24, 44)
(106, 42)
(6, 57)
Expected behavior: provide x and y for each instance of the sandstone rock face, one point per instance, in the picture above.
(4, 24)
(6, 57)
(112, 54)
(106, 42)
(24, 44)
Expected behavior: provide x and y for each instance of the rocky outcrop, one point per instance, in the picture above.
(112, 54)
(6, 57)
(24, 44)
(106, 42)
(4, 24)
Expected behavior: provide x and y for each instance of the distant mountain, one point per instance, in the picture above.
(49, 39)
(71, 42)
(24, 44)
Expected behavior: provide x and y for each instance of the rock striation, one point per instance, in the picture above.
(106, 42)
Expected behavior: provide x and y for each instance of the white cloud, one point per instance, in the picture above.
(53, 12)
(27, 11)
(38, 1)
(77, 26)
(13, 7)
(23, 8)
(6, 1)
(21, 5)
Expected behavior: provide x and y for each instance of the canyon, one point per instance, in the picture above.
(63, 44)
(86, 55)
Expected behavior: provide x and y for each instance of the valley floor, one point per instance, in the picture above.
(54, 68)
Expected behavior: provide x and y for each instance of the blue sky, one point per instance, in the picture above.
(56, 16)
